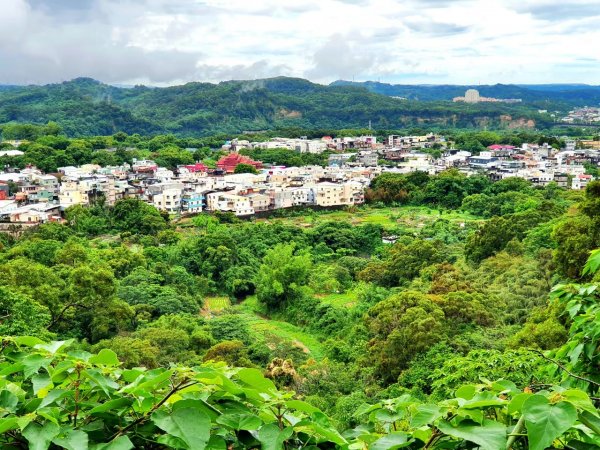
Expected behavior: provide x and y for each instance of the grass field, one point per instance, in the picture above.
(216, 304)
(286, 331)
(412, 217)
(253, 312)
(345, 300)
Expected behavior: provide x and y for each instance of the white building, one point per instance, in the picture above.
(168, 200)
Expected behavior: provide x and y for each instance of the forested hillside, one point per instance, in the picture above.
(86, 107)
(551, 95)
(368, 321)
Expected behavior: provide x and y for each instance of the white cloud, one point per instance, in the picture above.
(421, 41)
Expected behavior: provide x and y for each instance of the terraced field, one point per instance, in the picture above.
(215, 304)
(411, 217)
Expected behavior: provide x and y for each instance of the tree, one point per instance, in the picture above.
(282, 276)
(463, 308)
(403, 263)
(400, 327)
(233, 353)
(245, 168)
(21, 315)
(135, 216)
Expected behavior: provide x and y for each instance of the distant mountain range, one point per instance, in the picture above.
(88, 107)
(567, 94)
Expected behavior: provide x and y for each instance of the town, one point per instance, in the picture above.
(30, 197)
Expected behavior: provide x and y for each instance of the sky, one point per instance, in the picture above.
(167, 42)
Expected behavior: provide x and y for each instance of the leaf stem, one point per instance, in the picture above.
(516, 433)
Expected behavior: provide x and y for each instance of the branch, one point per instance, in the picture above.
(61, 313)
(571, 374)
(143, 418)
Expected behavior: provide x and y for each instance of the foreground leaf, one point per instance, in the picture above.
(546, 422)
(189, 425)
(489, 436)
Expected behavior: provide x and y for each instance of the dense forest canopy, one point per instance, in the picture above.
(86, 107)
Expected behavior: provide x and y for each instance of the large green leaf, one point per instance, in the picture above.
(189, 425)
(319, 427)
(41, 383)
(592, 421)
(200, 405)
(545, 422)
(53, 396)
(516, 404)
(28, 341)
(254, 378)
(299, 405)
(489, 436)
(240, 421)
(8, 401)
(272, 438)
(54, 346)
(391, 442)
(483, 400)
(40, 437)
(8, 424)
(72, 439)
(120, 443)
(593, 263)
(151, 380)
(105, 357)
(425, 414)
(106, 384)
(33, 363)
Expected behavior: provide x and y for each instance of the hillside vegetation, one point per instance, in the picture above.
(87, 107)
(543, 95)
(449, 312)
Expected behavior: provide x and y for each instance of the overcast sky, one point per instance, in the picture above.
(163, 42)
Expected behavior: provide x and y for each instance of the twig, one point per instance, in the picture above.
(141, 419)
(571, 374)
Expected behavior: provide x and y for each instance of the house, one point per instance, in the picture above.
(4, 190)
(502, 151)
(230, 162)
(72, 193)
(168, 200)
(226, 202)
(280, 198)
(259, 202)
(36, 213)
(192, 202)
(367, 158)
(11, 153)
(580, 182)
(303, 196)
(329, 194)
(562, 179)
(339, 159)
(6, 206)
(484, 161)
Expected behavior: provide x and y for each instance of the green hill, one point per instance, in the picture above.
(87, 107)
(551, 96)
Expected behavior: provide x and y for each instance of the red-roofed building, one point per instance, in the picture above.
(228, 163)
(197, 167)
